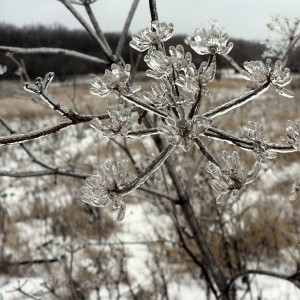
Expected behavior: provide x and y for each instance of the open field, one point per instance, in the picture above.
(54, 246)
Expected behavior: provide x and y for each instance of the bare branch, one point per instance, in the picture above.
(124, 33)
(88, 29)
(59, 51)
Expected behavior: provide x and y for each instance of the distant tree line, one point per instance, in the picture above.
(61, 37)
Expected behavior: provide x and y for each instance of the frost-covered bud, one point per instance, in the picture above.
(293, 134)
(150, 38)
(210, 41)
(160, 64)
(260, 73)
(114, 80)
(103, 187)
(179, 58)
(119, 122)
(255, 134)
(295, 190)
(3, 69)
(162, 95)
(40, 85)
(232, 178)
(192, 80)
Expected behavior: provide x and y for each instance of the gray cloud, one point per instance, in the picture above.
(241, 19)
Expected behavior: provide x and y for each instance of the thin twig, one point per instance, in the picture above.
(57, 51)
(124, 33)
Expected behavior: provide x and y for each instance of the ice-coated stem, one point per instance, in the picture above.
(246, 97)
(142, 133)
(150, 169)
(205, 152)
(137, 102)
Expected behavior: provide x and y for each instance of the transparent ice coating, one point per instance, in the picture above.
(119, 122)
(160, 65)
(102, 188)
(151, 38)
(116, 80)
(255, 134)
(261, 73)
(293, 134)
(40, 85)
(232, 178)
(211, 41)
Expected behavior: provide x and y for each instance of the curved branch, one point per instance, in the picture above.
(38, 133)
(59, 51)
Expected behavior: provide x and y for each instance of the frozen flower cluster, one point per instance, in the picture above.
(261, 73)
(175, 98)
(210, 41)
(288, 30)
(104, 186)
(151, 38)
(119, 121)
(181, 132)
(293, 134)
(232, 178)
(115, 80)
(255, 134)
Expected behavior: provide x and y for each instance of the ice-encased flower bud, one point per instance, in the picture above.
(179, 58)
(102, 188)
(293, 134)
(232, 178)
(160, 64)
(116, 80)
(40, 85)
(119, 122)
(260, 142)
(261, 73)
(150, 38)
(210, 41)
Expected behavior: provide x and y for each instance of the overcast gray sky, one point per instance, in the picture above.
(240, 18)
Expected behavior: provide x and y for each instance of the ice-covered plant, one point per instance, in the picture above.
(176, 98)
(288, 30)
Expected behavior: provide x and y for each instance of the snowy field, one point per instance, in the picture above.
(52, 244)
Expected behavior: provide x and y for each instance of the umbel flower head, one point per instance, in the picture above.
(255, 134)
(210, 41)
(114, 80)
(150, 38)
(229, 181)
(293, 134)
(260, 73)
(119, 121)
(103, 187)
